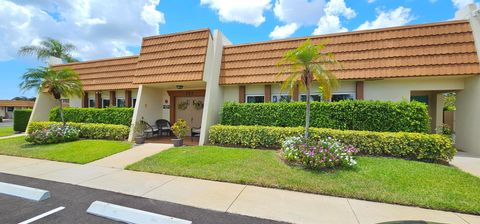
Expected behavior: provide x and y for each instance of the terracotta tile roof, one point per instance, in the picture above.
(105, 74)
(435, 49)
(173, 57)
(16, 103)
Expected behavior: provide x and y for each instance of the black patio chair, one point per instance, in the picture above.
(194, 132)
(149, 130)
(164, 126)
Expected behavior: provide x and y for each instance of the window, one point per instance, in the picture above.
(313, 97)
(120, 102)
(134, 101)
(91, 102)
(342, 96)
(255, 99)
(10, 109)
(281, 98)
(66, 101)
(421, 99)
(105, 103)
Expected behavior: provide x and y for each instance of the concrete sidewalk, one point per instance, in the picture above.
(13, 136)
(248, 200)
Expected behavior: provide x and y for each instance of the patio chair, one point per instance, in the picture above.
(195, 132)
(164, 126)
(149, 130)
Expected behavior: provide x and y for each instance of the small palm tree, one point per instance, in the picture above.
(304, 64)
(60, 83)
(50, 47)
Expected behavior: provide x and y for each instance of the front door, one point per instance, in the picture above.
(190, 109)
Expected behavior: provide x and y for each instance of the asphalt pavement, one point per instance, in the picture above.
(77, 199)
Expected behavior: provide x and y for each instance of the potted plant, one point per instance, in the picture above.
(179, 129)
(139, 130)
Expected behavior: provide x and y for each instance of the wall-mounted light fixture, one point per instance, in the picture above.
(179, 86)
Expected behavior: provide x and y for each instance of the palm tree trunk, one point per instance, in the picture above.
(307, 113)
(60, 109)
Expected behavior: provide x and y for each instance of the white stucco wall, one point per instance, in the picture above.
(75, 101)
(467, 119)
(43, 104)
(397, 89)
(255, 89)
(148, 107)
(213, 90)
(230, 93)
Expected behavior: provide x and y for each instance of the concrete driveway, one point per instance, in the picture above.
(467, 162)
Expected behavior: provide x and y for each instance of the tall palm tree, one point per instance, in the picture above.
(59, 83)
(50, 47)
(304, 64)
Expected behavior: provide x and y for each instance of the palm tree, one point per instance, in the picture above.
(304, 64)
(59, 83)
(50, 47)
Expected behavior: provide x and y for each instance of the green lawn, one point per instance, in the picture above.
(82, 151)
(6, 131)
(375, 178)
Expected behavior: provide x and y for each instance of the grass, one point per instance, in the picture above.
(374, 178)
(81, 151)
(6, 131)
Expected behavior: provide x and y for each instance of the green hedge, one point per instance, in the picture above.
(20, 119)
(111, 115)
(417, 146)
(89, 130)
(343, 115)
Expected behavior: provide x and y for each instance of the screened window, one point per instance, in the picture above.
(281, 98)
(313, 98)
(105, 103)
(10, 109)
(255, 99)
(342, 96)
(91, 103)
(120, 102)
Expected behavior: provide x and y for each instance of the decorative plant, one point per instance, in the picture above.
(183, 105)
(60, 83)
(302, 66)
(139, 128)
(197, 104)
(180, 128)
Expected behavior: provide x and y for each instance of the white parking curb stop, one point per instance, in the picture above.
(24, 192)
(131, 215)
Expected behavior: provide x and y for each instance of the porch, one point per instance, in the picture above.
(188, 141)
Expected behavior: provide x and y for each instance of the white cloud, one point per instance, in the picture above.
(461, 3)
(280, 32)
(299, 11)
(330, 22)
(396, 17)
(98, 28)
(242, 11)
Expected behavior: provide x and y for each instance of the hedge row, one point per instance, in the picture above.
(112, 115)
(417, 146)
(344, 115)
(89, 130)
(20, 119)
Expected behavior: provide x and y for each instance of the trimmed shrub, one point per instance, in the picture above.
(416, 146)
(344, 115)
(20, 119)
(112, 115)
(54, 133)
(89, 130)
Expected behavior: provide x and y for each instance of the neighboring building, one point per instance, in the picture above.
(417, 62)
(8, 106)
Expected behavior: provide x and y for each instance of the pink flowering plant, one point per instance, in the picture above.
(318, 154)
(54, 133)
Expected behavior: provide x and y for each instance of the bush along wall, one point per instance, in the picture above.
(20, 119)
(343, 115)
(88, 130)
(113, 115)
(416, 146)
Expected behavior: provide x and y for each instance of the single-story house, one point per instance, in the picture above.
(8, 106)
(191, 74)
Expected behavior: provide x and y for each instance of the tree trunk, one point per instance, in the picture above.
(60, 110)
(307, 112)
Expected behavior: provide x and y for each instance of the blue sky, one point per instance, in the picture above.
(114, 28)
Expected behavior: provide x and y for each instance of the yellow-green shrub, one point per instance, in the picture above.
(88, 130)
(417, 146)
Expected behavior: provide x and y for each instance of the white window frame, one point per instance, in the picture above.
(94, 103)
(279, 96)
(103, 103)
(311, 94)
(345, 93)
(254, 95)
(121, 98)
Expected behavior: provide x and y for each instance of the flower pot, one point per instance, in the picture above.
(139, 140)
(177, 142)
